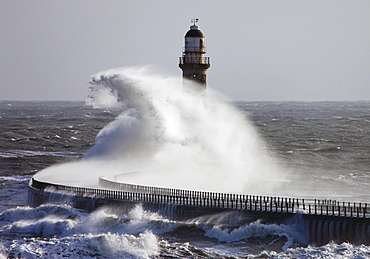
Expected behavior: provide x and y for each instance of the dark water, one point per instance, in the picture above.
(35, 135)
(325, 144)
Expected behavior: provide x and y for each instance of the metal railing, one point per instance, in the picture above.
(151, 194)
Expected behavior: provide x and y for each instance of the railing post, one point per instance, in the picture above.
(281, 205)
(338, 208)
(270, 204)
(286, 205)
(276, 205)
(332, 210)
(358, 210)
(365, 208)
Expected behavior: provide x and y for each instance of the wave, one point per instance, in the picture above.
(137, 232)
(62, 220)
(29, 153)
(61, 229)
(257, 230)
(173, 139)
(329, 251)
(106, 245)
(15, 178)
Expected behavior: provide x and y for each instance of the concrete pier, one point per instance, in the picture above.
(321, 221)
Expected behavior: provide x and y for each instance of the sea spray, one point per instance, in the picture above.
(176, 139)
(172, 138)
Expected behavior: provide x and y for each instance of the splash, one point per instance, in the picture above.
(167, 137)
(68, 232)
(256, 230)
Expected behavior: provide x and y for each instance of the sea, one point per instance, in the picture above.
(326, 146)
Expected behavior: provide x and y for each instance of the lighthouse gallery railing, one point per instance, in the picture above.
(194, 60)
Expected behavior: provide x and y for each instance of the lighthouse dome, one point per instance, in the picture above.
(194, 32)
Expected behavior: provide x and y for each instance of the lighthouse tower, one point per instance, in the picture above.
(193, 63)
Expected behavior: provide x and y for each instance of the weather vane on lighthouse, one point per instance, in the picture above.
(195, 20)
(193, 62)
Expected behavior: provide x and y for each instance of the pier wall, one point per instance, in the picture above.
(321, 220)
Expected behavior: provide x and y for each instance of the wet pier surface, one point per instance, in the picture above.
(322, 221)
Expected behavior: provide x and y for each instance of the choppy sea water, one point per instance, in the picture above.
(326, 144)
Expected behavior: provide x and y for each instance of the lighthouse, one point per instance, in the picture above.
(193, 62)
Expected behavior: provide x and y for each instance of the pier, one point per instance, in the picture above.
(322, 221)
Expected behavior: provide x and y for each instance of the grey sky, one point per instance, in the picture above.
(260, 50)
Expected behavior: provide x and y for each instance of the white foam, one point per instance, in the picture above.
(294, 232)
(54, 229)
(329, 251)
(104, 245)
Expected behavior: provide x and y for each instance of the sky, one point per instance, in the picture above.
(286, 50)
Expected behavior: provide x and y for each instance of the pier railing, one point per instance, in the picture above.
(151, 194)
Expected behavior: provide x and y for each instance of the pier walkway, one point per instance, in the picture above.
(324, 220)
